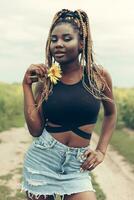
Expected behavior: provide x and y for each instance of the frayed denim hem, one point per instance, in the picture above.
(32, 194)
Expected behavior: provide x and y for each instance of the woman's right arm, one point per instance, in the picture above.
(33, 117)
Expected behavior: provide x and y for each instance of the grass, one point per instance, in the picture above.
(5, 194)
(6, 177)
(99, 193)
(6, 191)
(20, 195)
(122, 142)
(16, 122)
(11, 106)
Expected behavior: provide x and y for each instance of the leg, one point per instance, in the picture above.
(48, 197)
(80, 196)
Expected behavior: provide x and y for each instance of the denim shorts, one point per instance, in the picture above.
(52, 168)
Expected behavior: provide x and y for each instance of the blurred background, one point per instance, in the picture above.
(24, 27)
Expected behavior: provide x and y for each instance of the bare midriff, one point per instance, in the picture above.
(70, 138)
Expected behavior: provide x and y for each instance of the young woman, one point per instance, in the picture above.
(62, 112)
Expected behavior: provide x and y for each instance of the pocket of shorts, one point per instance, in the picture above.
(43, 144)
(76, 161)
(80, 158)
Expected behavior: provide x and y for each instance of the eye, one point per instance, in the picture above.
(53, 39)
(67, 38)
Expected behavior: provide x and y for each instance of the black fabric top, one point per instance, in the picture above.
(71, 105)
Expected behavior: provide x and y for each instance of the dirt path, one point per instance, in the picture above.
(13, 144)
(114, 175)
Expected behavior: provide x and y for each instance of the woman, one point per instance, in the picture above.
(62, 113)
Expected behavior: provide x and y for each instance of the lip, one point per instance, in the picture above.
(59, 54)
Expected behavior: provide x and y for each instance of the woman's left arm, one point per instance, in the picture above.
(93, 158)
(110, 116)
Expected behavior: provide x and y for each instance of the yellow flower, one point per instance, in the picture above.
(54, 73)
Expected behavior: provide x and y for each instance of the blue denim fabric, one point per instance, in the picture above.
(51, 168)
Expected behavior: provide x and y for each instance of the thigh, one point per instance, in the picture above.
(48, 197)
(80, 196)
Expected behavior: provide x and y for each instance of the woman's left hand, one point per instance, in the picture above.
(93, 158)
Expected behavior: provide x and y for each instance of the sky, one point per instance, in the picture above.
(24, 26)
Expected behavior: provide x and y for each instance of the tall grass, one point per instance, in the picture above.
(11, 106)
(125, 106)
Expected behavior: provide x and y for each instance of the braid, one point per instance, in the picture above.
(95, 79)
(96, 82)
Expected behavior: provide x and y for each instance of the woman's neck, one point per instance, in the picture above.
(68, 69)
(71, 73)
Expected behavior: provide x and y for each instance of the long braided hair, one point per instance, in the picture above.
(96, 82)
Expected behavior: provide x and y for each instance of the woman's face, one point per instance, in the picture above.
(64, 46)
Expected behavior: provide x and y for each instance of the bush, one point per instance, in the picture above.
(11, 106)
(125, 107)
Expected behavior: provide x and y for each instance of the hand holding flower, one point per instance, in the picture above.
(38, 72)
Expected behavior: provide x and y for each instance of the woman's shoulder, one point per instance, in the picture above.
(106, 76)
(103, 71)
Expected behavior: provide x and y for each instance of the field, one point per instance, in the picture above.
(11, 106)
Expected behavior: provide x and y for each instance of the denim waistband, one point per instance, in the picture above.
(48, 137)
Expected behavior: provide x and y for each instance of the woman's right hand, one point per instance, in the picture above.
(33, 73)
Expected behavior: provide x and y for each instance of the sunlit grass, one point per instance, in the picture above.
(121, 142)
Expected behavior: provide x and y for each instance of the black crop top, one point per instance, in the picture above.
(70, 106)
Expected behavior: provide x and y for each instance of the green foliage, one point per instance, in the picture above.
(121, 141)
(5, 192)
(124, 144)
(125, 107)
(11, 106)
(128, 114)
(99, 193)
(124, 99)
(6, 177)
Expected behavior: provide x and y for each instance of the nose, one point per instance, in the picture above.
(59, 44)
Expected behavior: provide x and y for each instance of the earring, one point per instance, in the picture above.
(80, 50)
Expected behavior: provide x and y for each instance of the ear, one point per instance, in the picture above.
(80, 46)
